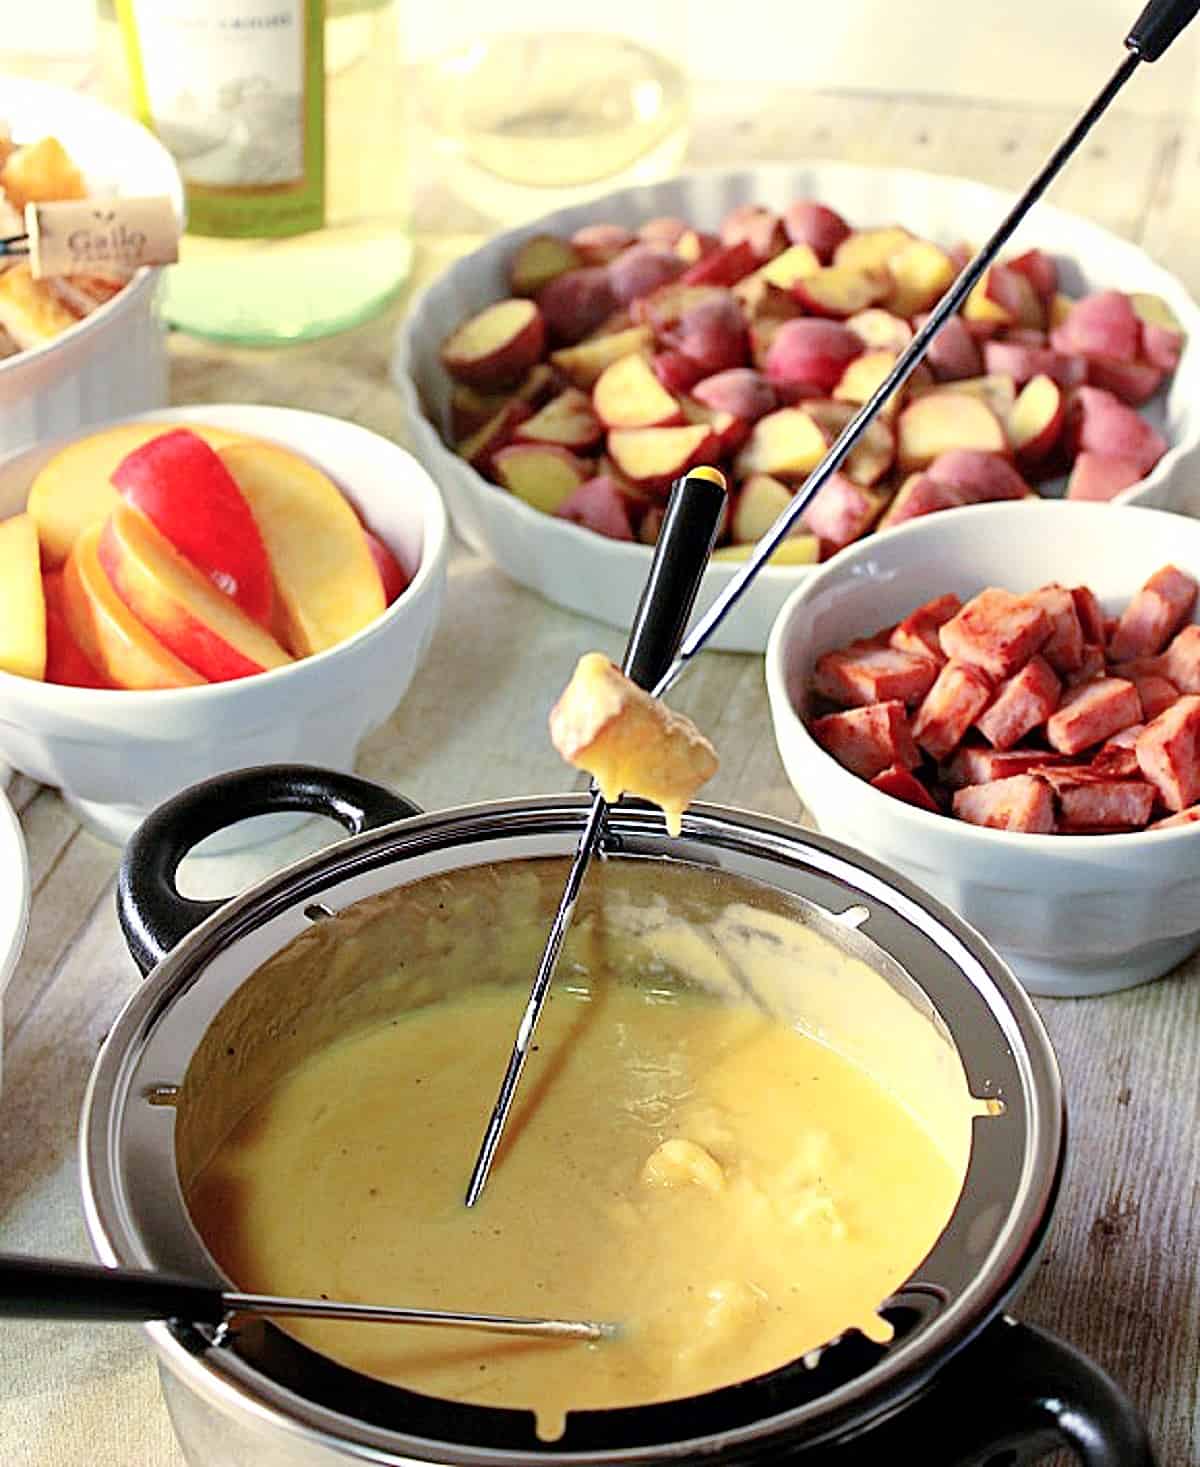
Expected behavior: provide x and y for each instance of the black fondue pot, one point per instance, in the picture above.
(961, 1384)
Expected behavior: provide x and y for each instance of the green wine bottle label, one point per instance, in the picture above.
(236, 91)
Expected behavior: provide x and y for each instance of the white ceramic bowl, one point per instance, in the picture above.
(115, 360)
(116, 754)
(1072, 914)
(603, 578)
(14, 900)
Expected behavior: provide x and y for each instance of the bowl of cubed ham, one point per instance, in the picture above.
(1005, 705)
(560, 377)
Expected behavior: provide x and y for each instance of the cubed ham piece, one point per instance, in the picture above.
(918, 632)
(1093, 712)
(1156, 692)
(996, 632)
(1117, 757)
(1181, 661)
(1182, 817)
(868, 740)
(951, 706)
(899, 783)
(1090, 614)
(1021, 704)
(1154, 615)
(869, 671)
(1090, 799)
(1063, 648)
(1022, 803)
(978, 763)
(1091, 667)
(1168, 753)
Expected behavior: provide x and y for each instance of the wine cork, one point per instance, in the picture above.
(101, 236)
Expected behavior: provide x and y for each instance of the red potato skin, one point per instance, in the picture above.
(599, 244)
(1102, 325)
(811, 355)
(981, 476)
(738, 390)
(956, 699)
(1168, 754)
(841, 512)
(756, 226)
(1133, 382)
(1022, 803)
(869, 740)
(1040, 270)
(1099, 422)
(816, 225)
(713, 335)
(510, 363)
(676, 372)
(953, 353)
(1022, 363)
(574, 303)
(642, 270)
(600, 506)
(1100, 477)
(725, 266)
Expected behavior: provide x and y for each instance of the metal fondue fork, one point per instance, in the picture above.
(1157, 26)
(46, 1288)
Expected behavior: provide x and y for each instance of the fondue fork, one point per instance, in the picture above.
(685, 541)
(1156, 27)
(46, 1288)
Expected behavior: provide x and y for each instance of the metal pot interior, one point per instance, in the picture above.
(313, 955)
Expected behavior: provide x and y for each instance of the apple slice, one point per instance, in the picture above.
(179, 604)
(542, 474)
(921, 273)
(179, 483)
(836, 292)
(787, 444)
(800, 549)
(392, 575)
(872, 455)
(1100, 476)
(125, 652)
(66, 663)
(1036, 420)
(74, 489)
(538, 260)
(879, 330)
(497, 345)
(943, 420)
(582, 365)
(629, 395)
(568, 420)
(871, 249)
(653, 457)
(325, 578)
(22, 601)
(760, 502)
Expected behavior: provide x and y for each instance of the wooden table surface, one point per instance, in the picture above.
(1121, 1275)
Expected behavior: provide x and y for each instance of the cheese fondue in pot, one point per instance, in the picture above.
(733, 1139)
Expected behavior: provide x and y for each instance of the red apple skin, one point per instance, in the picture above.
(391, 572)
(130, 551)
(180, 484)
(66, 662)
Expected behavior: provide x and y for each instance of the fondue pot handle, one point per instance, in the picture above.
(154, 914)
(1013, 1395)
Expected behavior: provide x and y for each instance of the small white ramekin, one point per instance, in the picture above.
(116, 755)
(114, 361)
(1073, 915)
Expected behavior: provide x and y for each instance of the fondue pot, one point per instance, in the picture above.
(961, 1384)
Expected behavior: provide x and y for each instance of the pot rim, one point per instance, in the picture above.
(221, 1378)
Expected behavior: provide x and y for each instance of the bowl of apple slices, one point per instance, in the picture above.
(200, 589)
(560, 377)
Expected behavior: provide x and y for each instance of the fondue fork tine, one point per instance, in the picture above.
(685, 542)
(46, 1288)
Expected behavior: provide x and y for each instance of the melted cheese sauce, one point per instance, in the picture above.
(732, 1191)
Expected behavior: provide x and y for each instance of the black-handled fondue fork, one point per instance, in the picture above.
(45, 1288)
(685, 542)
(1157, 26)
